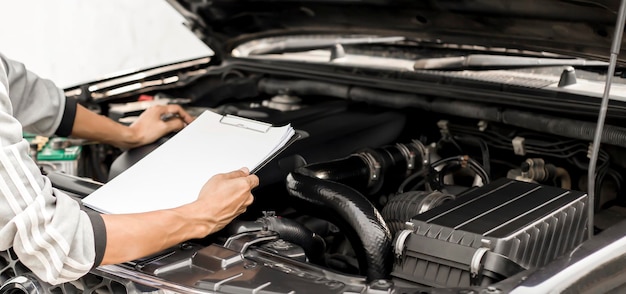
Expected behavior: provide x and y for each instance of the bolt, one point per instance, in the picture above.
(334, 284)
(250, 265)
(382, 282)
(482, 125)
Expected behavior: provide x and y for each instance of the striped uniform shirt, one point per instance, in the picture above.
(46, 228)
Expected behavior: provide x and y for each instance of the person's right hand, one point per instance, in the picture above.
(221, 199)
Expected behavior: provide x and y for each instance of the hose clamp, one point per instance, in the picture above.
(374, 167)
(398, 248)
(476, 265)
(422, 151)
(409, 156)
(21, 284)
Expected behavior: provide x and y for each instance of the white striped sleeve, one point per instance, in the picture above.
(48, 231)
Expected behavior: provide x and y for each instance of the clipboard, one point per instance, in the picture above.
(258, 126)
(297, 136)
(173, 174)
(246, 123)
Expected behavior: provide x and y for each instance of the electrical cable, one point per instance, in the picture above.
(410, 178)
(484, 149)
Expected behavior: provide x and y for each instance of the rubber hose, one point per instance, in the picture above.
(396, 226)
(575, 129)
(394, 165)
(403, 100)
(563, 176)
(354, 171)
(351, 171)
(360, 221)
(402, 207)
(564, 127)
(466, 109)
(288, 230)
(388, 99)
(303, 87)
(292, 231)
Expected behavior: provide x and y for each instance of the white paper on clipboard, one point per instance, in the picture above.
(173, 174)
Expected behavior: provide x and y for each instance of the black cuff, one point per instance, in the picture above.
(67, 121)
(100, 235)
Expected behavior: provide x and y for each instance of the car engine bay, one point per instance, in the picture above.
(388, 191)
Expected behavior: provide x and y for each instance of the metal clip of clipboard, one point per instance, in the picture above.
(245, 123)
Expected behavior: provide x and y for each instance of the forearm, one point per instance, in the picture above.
(148, 233)
(221, 199)
(146, 129)
(92, 126)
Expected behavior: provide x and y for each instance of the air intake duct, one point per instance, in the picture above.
(336, 189)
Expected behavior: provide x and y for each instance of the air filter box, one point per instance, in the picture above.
(490, 233)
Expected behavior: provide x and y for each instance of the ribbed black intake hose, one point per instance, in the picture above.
(402, 207)
(288, 230)
(359, 220)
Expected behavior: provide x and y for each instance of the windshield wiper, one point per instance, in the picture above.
(481, 61)
(297, 45)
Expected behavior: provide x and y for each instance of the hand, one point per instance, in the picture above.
(149, 127)
(221, 199)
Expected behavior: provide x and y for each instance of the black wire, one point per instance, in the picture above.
(484, 150)
(567, 149)
(412, 177)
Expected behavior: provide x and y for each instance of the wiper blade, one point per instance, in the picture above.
(297, 45)
(482, 61)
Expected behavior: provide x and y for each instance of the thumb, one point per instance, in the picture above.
(252, 180)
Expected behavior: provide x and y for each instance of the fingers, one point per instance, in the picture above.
(182, 114)
(251, 180)
(179, 121)
(249, 200)
(175, 124)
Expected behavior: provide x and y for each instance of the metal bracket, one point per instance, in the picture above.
(518, 145)
(443, 127)
(241, 242)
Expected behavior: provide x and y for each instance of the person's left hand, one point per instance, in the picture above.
(149, 126)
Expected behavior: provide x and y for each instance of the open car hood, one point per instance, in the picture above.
(576, 28)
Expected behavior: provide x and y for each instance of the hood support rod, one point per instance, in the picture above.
(591, 177)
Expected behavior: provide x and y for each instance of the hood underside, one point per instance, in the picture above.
(575, 28)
